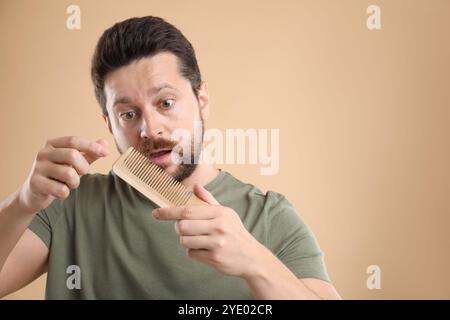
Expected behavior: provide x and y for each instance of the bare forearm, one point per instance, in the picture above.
(272, 280)
(13, 223)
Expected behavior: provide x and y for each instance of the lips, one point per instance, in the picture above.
(159, 153)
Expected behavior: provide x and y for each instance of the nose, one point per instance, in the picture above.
(151, 126)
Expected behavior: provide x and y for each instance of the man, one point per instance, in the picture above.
(98, 238)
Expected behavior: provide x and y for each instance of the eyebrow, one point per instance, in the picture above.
(152, 91)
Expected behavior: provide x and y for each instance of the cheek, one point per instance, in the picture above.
(184, 126)
(125, 128)
(184, 134)
(188, 117)
(125, 136)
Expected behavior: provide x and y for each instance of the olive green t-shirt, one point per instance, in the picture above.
(105, 244)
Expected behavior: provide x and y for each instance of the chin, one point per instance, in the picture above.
(171, 169)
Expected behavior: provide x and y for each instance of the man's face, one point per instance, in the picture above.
(146, 102)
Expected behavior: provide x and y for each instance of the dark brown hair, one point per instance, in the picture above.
(137, 38)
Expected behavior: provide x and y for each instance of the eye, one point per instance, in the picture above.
(129, 115)
(167, 103)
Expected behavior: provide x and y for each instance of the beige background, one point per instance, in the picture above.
(363, 115)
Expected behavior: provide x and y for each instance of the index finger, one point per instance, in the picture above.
(185, 213)
(80, 144)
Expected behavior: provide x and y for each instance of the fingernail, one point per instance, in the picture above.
(155, 213)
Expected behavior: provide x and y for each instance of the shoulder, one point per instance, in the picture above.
(248, 197)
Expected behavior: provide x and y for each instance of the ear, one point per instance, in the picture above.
(106, 119)
(203, 99)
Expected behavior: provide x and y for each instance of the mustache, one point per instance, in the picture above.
(148, 145)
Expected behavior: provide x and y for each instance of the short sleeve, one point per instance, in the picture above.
(44, 222)
(292, 241)
(41, 226)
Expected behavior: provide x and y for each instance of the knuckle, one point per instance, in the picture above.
(41, 155)
(84, 169)
(186, 213)
(215, 257)
(219, 224)
(72, 155)
(34, 183)
(182, 226)
(75, 182)
(71, 141)
(220, 243)
(220, 227)
(67, 174)
(62, 191)
(38, 167)
(71, 177)
(94, 147)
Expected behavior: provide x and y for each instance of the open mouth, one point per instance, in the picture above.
(159, 153)
(160, 157)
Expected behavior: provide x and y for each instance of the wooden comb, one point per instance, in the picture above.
(152, 181)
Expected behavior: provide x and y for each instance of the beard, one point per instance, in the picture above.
(188, 162)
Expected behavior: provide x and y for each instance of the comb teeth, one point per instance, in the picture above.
(136, 169)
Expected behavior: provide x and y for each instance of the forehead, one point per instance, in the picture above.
(141, 76)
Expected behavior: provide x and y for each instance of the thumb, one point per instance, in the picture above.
(204, 194)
